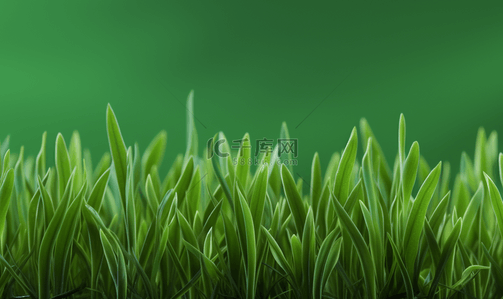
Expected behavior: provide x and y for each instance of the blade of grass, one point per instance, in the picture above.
(362, 249)
(417, 215)
(326, 260)
(344, 170)
(294, 199)
(118, 151)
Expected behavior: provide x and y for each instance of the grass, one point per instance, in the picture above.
(212, 229)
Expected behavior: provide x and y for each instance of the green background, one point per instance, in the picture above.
(252, 65)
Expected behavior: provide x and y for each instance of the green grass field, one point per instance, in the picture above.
(114, 227)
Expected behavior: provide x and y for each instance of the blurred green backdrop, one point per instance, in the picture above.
(252, 65)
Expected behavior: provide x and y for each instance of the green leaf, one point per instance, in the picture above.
(401, 140)
(192, 144)
(118, 151)
(344, 170)
(496, 201)
(41, 158)
(438, 214)
(185, 179)
(467, 275)
(209, 265)
(64, 240)
(98, 193)
(233, 247)
(102, 166)
(277, 253)
(410, 171)
(480, 154)
(49, 240)
(370, 186)
(251, 252)
(378, 157)
(467, 171)
(154, 153)
(6, 162)
(471, 210)
(444, 258)
(432, 242)
(116, 265)
(376, 248)
(326, 260)
(48, 201)
(16, 277)
(75, 154)
(401, 265)
(417, 215)
(294, 199)
(285, 136)
(62, 163)
(5, 146)
(153, 201)
(243, 160)
(211, 220)
(316, 183)
(5, 194)
(308, 250)
(257, 198)
(362, 249)
(218, 173)
(331, 171)
(501, 167)
(190, 237)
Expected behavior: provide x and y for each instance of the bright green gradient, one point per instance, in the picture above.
(252, 65)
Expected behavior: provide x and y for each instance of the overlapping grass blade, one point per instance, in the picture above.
(367, 263)
(345, 168)
(294, 199)
(118, 151)
(215, 226)
(417, 215)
